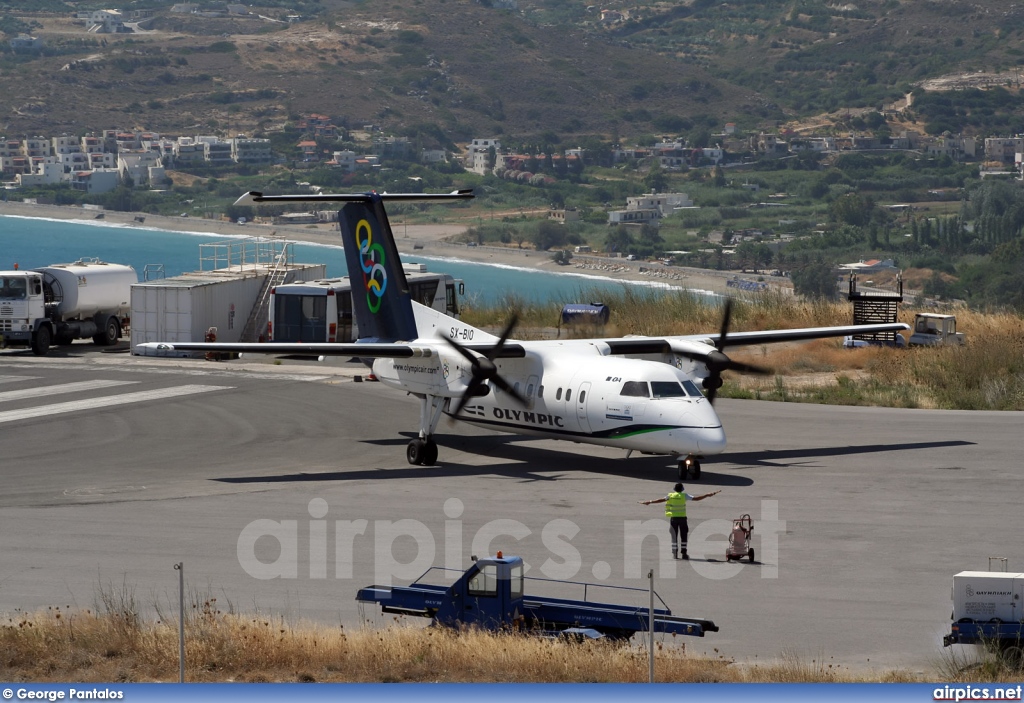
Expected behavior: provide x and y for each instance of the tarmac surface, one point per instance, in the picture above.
(259, 477)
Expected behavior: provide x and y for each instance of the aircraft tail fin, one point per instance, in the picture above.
(380, 292)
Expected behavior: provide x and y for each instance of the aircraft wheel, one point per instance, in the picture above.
(750, 555)
(682, 471)
(695, 470)
(415, 451)
(429, 453)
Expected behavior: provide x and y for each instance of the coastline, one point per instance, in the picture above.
(413, 240)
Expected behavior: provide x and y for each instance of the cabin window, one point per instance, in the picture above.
(583, 395)
(568, 394)
(635, 389)
(517, 581)
(540, 391)
(667, 389)
(692, 390)
(558, 394)
(485, 581)
(515, 387)
(529, 391)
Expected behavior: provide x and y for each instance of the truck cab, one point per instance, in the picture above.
(488, 594)
(932, 330)
(22, 306)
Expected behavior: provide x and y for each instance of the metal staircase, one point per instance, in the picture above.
(877, 306)
(260, 312)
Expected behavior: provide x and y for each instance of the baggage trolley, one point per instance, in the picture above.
(739, 539)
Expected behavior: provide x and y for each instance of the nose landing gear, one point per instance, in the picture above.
(689, 468)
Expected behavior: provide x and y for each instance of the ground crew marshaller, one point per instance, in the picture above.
(675, 511)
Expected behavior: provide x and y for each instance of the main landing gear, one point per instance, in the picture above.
(689, 468)
(422, 451)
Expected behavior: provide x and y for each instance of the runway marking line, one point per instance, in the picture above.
(9, 379)
(76, 387)
(109, 401)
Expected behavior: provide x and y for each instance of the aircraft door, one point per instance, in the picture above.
(582, 398)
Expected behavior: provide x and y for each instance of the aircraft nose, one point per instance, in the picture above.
(711, 437)
(711, 440)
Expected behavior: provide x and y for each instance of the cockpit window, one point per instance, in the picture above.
(692, 390)
(635, 389)
(667, 389)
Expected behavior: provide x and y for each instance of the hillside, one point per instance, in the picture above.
(452, 69)
(467, 69)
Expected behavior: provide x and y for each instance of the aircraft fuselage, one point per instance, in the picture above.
(646, 406)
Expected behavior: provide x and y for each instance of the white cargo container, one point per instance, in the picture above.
(183, 308)
(986, 596)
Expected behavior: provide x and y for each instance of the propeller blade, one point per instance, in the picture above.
(504, 336)
(473, 385)
(503, 385)
(726, 319)
(461, 349)
(749, 368)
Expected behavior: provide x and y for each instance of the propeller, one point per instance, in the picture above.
(484, 369)
(716, 360)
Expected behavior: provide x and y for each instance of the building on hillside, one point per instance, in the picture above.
(256, 152)
(1003, 148)
(35, 146)
(100, 180)
(310, 150)
(106, 22)
(26, 43)
(187, 150)
(649, 209)
(139, 166)
(477, 157)
(433, 156)
(44, 172)
(216, 151)
(564, 216)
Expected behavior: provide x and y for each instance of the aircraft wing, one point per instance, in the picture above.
(398, 350)
(368, 351)
(663, 345)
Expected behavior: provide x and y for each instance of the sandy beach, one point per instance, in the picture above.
(413, 240)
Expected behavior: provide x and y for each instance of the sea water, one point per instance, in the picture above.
(33, 242)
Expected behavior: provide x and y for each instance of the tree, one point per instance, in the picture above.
(816, 280)
(656, 179)
(549, 234)
(851, 209)
(619, 240)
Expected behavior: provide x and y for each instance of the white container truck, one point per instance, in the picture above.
(988, 609)
(63, 302)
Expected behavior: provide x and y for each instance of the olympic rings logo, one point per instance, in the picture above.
(371, 257)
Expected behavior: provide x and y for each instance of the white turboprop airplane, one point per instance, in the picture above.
(637, 393)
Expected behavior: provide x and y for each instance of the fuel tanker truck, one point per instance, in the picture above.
(64, 302)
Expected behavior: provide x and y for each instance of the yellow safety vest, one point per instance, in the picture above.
(675, 506)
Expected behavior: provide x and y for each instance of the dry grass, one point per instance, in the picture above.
(987, 373)
(64, 645)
